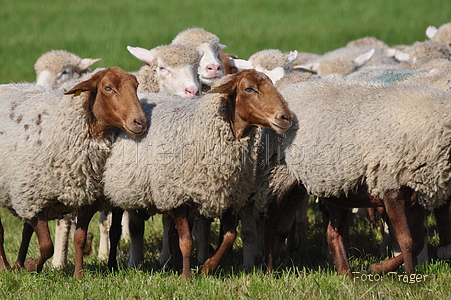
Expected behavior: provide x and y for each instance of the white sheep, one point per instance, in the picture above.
(172, 69)
(364, 144)
(196, 153)
(57, 66)
(272, 62)
(210, 68)
(441, 34)
(345, 60)
(421, 52)
(50, 170)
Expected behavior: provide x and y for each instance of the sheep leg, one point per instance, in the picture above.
(168, 230)
(85, 215)
(335, 238)
(442, 214)
(201, 233)
(250, 217)
(104, 243)
(27, 233)
(136, 225)
(62, 230)
(180, 216)
(229, 237)
(405, 220)
(4, 264)
(40, 226)
(114, 236)
(275, 211)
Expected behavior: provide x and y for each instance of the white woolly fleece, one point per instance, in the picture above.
(47, 153)
(384, 136)
(188, 156)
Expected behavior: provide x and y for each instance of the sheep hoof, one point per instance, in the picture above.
(31, 265)
(376, 268)
(206, 269)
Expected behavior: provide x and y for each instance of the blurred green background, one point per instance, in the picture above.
(103, 29)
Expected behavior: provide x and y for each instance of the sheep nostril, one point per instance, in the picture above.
(140, 123)
(287, 119)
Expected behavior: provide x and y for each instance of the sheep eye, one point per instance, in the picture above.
(108, 89)
(249, 90)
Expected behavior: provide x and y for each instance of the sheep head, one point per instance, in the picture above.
(254, 101)
(112, 102)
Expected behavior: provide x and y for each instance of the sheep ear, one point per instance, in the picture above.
(227, 87)
(85, 63)
(222, 46)
(431, 31)
(363, 59)
(141, 54)
(87, 85)
(291, 57)
(242, 64)
(390, 52)
(402, 56)
(312, 67)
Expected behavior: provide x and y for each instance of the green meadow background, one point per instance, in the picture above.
(103, 29)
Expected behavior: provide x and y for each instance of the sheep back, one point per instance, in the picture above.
(383, 136)
(187, 156)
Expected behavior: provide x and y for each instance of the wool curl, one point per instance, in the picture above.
(381, 136)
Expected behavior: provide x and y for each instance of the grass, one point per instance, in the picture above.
(306, 273)
(104, 29)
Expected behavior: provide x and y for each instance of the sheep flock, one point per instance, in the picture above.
(198, 134)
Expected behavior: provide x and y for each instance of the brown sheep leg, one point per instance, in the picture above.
(180, 216)
(334, 234)
(27, 233)
(4, 264)
(230, 233)
(405, 222)
(40, 226)
(85, 215)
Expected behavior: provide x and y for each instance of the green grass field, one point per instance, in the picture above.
(104, 29)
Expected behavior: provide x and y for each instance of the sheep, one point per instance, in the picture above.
(272, 62)
(434, 73)
(371, 41)
(58, 66)
(171, 68)
(422, 52)
(346, 60)
(49, 170)
(277, 66)
(441, 34)
(364, 144)
(210, 68)
(205, 166)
